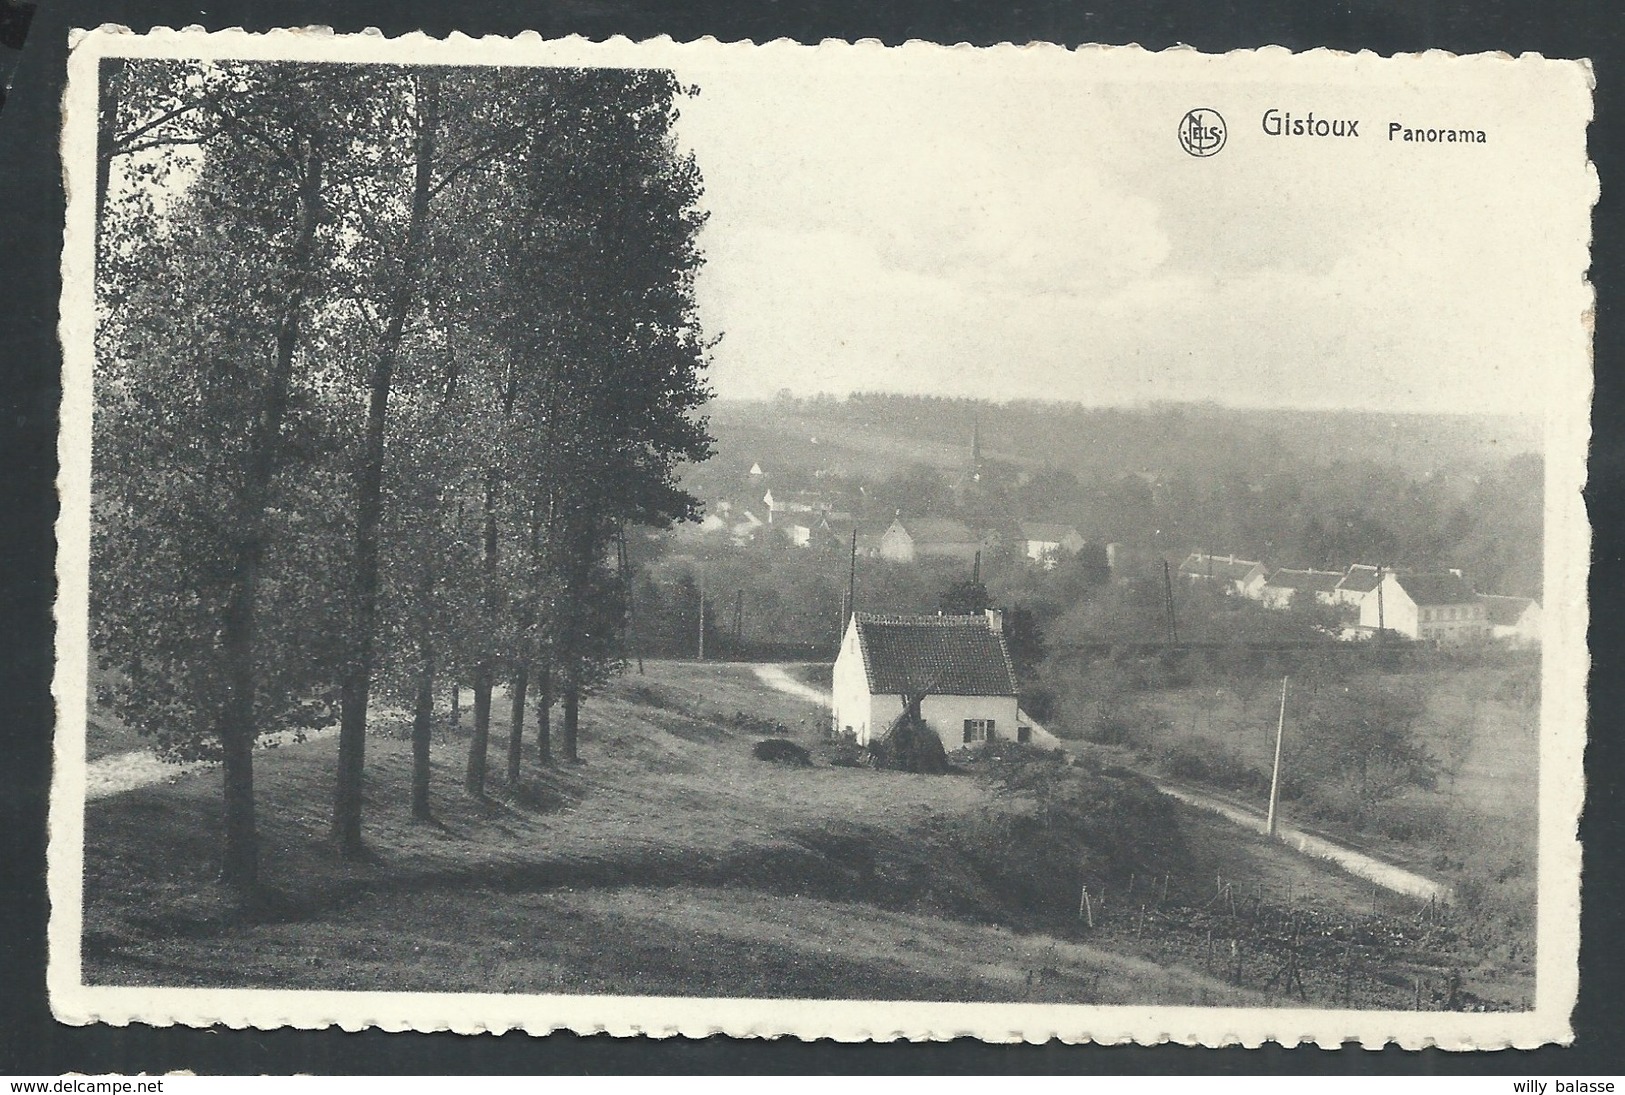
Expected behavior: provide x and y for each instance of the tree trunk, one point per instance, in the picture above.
(355, 688)
(516, 719)
(478, 745)
(240, 862)
(422, 727)
(237, 728)
(572, 710)
(544, 714)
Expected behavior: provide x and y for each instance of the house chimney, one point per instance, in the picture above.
(995, 620)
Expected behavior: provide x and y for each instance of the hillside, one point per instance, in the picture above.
(673, 862)
(882, 433)
(1296, 488)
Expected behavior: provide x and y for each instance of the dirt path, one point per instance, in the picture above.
(1386, 875)
(778, 677)
(120, 772)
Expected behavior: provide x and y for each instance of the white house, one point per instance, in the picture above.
(1285, 586)
(961, 664)
(1243, 577)
(1044, 543)
(928, 538)
(1440, 608)
(1515, 619)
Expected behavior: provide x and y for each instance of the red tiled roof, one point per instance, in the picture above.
(938, 655)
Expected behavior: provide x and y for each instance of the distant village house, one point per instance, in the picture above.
(1356, 582)
(1515, 620)
(1285, 587)
(1440, 608)
(1242, 577)
(929, 538)
(1044, 543)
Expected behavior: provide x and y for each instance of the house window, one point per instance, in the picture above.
(1024, 733)
(978, 730)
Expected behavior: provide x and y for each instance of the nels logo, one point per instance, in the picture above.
(1201, 132)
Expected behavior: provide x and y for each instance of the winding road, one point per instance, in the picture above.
(1386, 875)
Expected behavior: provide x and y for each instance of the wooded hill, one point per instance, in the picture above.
(882, 432)
(1291, 487)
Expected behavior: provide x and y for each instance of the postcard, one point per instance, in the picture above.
(834, 541)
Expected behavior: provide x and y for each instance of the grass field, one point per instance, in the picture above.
(671, 862)
(1486, 745)
(1474, 829)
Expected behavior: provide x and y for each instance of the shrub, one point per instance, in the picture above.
(1203, 760)
(1052, 826)
(1039, 701)
(779, 751)
(847, 754)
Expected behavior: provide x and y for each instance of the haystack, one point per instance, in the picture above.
(909, 745)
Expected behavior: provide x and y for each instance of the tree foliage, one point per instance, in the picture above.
(386, 360)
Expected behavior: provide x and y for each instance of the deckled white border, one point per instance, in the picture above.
(1563, 710)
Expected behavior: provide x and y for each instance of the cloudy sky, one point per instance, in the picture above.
(1007, 226)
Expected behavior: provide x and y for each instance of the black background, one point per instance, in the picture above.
(31, 203)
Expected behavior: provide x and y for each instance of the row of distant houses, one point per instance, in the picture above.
(904, 540)
(1441, 607)
(908, 540)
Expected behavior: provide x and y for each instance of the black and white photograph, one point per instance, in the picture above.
(835, 541)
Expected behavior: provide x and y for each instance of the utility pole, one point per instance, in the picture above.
(1275, 772)
(739, 619)
(1168, 602)
(702, 614)
(1382, 624)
